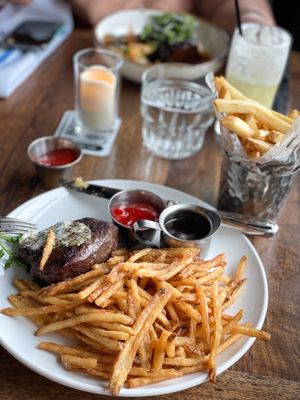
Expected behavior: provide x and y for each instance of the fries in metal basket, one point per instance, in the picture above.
(140, 318)
(257, 127)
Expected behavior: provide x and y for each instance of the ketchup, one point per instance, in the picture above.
(58, 157)
(127, 214)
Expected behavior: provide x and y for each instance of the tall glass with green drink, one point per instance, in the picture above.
(257, 60)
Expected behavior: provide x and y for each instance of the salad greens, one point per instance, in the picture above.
(8, 250)
(169, 28)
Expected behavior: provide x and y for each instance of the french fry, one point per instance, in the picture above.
(240, 270)
(106, 316)
(203, 309)
(160, 348)
(275, 136)
(134, 382)
(216, 339)
(251, 121)
(80, 362)
(237, 95)
(96, 336)
(261, 134)
(224, 93)
(69, 283)
(126, 356)
(47, 249)
(137, 331)
(261, 113)
(238, 126)
(261, 146)
(293, 114)
(252, 332)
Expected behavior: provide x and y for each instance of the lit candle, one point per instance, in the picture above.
(97, 97)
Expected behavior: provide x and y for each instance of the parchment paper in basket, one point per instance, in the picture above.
(282, 159)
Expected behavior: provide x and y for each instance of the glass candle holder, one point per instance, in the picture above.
(97, 91)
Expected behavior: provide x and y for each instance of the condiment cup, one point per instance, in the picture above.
(180, 225)
(51, 175)
(135, 196)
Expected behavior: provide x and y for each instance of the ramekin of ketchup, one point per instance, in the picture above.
(54, 159)
(129, 206)
(128, 214)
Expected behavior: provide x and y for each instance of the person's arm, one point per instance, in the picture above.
(222, 12)
(93, 10)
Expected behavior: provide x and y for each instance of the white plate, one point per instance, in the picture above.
(17, 334)
(214, 41)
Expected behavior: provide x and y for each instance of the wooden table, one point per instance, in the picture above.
(269, 370)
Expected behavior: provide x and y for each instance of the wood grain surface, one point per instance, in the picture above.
(268, 370)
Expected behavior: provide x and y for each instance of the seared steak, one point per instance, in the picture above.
(78, 245)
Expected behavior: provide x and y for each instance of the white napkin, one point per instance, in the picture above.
(15, 65)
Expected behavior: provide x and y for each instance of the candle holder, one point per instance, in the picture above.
(97, 92)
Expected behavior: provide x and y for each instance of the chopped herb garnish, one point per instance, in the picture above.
(8, 250)
(169, 28)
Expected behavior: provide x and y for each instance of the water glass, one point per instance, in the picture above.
(97, 91)
(257, 60)
(176, 112)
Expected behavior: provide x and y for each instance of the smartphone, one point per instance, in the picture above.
(31, 35)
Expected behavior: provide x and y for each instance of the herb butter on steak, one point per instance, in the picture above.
(78, 245)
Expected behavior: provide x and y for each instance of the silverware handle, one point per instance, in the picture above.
(249, 225)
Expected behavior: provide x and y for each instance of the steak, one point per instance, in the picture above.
(78, 246)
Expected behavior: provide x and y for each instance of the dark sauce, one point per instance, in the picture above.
(188, 225)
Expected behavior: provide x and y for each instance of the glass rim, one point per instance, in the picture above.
(165, 66)
(119, 60)
(287, 41)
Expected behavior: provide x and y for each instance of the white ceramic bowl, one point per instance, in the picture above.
(214, 41)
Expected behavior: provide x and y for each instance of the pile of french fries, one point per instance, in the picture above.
(141, 317)
(257, 127)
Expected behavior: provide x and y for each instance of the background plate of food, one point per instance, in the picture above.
(146, 37)
(17, 334)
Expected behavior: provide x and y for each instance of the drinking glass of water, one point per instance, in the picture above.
(176, 112)
(257, 60)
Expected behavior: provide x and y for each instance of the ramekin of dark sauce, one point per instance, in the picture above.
(180, 225)
(54, 159)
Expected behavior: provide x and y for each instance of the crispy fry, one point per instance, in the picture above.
(81, 362)
(237, 95)
(216, 339)
(69, 283)
(251, 121)
(106, 316)
(137, 331)
(240, 270)
(224, 93)
(275, 136)
(261, 113)
(293, 114)
(126, 356)
(203, 309)
(238, 126)
(160, 348)
(245, 330)
(47, 249)
(251, 145)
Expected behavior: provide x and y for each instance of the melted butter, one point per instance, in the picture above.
(67, 234)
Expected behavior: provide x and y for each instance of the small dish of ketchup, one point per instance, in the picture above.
(128, 214)
(128, 206)
(57, 157)
(54, 159)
